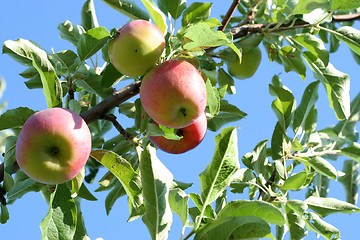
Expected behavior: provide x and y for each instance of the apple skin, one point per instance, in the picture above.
(53, 145)
(248, 66)
(173, 94)
(137, 48)
(192, 137)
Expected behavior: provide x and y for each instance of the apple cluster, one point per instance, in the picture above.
(53, 145)
(173, 93)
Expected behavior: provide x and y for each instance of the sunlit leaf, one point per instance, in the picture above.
(156, 181)
(61, 218)
(326, 206)
(128, 8)
(351, 180)
(260, 209)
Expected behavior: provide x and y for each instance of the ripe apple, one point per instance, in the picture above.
(192, 136)
(53, 145)
(137, 48)
(173, 94)
(248, 66)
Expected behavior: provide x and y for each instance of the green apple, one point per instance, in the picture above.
(192, 136)
(136, 48)
(248, 66)
(53, 145)
(173, 94)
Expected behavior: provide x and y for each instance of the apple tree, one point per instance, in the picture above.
(297, 34)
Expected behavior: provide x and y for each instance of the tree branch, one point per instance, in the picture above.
(243, 30)
(112, 101)
(228, 15)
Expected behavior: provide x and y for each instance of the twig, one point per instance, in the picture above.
(189, 235)
(122, 131)
(228, 15)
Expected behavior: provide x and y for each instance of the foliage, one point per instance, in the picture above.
(295, 157)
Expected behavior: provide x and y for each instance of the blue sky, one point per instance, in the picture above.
(38, 20)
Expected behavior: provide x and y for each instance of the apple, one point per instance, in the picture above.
(136, 48)
(248, 66)
(173, 94)
(192, 136)
(53, 145)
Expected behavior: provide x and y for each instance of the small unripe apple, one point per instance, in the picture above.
(53, 145)
(137, 48)
(192, 136)
(249, 64)
(173, 94)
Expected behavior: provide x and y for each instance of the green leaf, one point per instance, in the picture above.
(314, 45)
(321, 165)
(243, 179)
(213, 98)
(22, 51)
(209, 211)
(350, 36)
(307, 103)
(217, 175)
(225, 79)
(67, 58)
(174, 7)
(92, 41)
(311, 120)
(350, 180)
(278, 142)
(93, 84)
(352, 151)
(4, 214)
(228, 113)
(50, 83)
(156, 14)
(178, 201)
(156, 181)
(88, 15)
(296, 225)
(202, 36)
(295, 182)
(60, 221)
(80, 232)
(128, 109)
(20, 188)
(196, 12)
(326, 206)
(307, 6)
(15, 117)
(259, 160)
(347, 129)
(122, 169)
(292, 61)
(128, 8)
(70, 32)
(284, 104)
(297, 206)
(234, 228)
(343, 5)
(316, 224)
(111, 76)
(337, 85)
(260, 209)
(115, 193)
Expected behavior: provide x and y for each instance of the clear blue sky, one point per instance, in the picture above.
(38, 20)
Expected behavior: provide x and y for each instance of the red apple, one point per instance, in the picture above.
(53, 145)
(137, 48)
(192, 136)
(173, 94)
